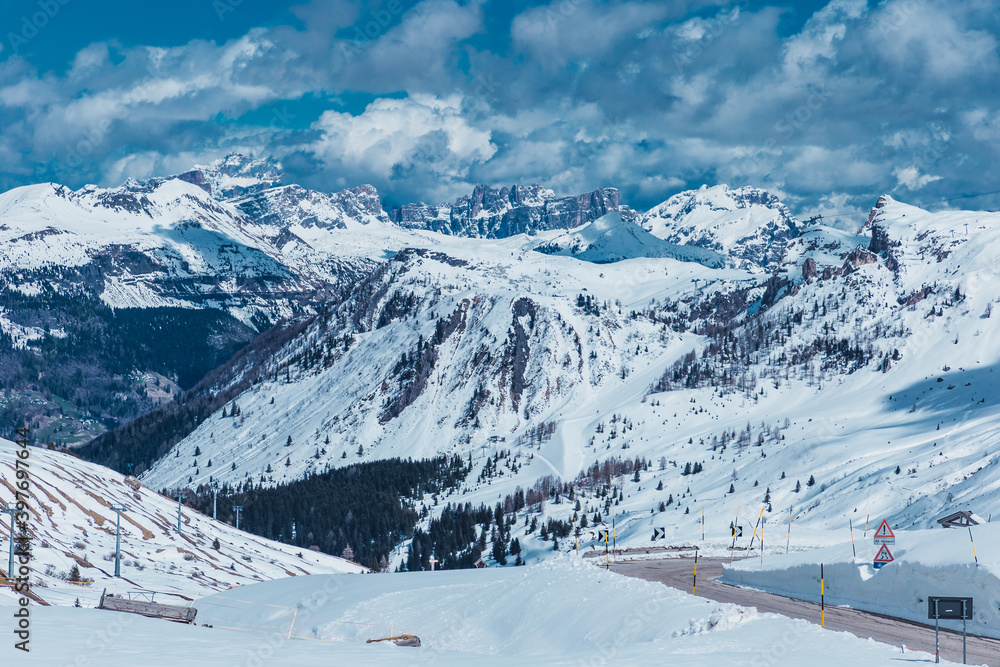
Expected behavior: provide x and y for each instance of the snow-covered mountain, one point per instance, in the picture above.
(235, 175)
(750, 225)
(167, 242)
(612, 239)
(492, 213)
(858, 355)
(72, 523)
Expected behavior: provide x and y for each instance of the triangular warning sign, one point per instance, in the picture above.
(884, 555)
(884, 530)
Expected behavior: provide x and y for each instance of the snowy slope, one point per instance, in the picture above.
(556, 614)
(513, 349)
(72, 523)
(842, 373)
(749, 224)
(611, 239)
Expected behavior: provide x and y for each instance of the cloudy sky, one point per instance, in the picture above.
(828, 104)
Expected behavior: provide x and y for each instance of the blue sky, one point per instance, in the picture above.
(827, 104)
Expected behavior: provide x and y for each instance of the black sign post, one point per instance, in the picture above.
(948, 608)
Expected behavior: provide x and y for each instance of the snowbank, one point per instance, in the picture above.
(559, 613)
(927, 562)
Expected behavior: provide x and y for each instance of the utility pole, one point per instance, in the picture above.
(118, 539)
(9, 509)
(237, 509)
(180, 500)
(215, 498)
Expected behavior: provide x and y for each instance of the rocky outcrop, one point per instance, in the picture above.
(498, 213)
(809, 272)
(293, 204)
(856, 259)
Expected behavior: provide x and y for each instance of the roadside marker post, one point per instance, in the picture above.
(822, 599)
(703, 523)
(694, 582)
(607, 560)
(853, 548)
(788, 540)
(867, 516)
(614, 533)
(762, 543)
(736, 525)
(973, 547)
(755, 526)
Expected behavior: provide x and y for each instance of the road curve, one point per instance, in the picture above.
(677, 573)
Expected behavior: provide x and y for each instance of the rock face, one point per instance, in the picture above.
(498, 213)
(809, 272)
(881, 244)
(293, 204)
(858, 258)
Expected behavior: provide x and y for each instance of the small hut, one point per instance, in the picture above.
(961, 519)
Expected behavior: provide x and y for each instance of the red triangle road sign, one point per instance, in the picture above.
(884, 555)
(884, 530)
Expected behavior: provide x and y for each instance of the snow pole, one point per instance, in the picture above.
(736, 526)
(822, 600)
(788, 540)
(973, 547)
(694, 582)
(703, 523)
(607, 561)
(614, 533)
(868, 516)
(762, 543)
(755, 526)
(853, 548)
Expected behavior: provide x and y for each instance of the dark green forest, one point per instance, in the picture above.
(369, 507)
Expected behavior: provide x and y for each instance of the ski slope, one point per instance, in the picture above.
(72, 524)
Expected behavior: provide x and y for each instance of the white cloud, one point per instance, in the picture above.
(570, 29)
(392, 138)
(911, 178)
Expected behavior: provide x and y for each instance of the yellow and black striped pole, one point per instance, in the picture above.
(694, 583)
(822, 600)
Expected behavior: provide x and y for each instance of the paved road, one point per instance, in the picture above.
(676, 573)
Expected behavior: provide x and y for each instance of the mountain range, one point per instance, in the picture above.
(534, 336)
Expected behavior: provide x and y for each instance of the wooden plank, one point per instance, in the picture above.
(150, 609)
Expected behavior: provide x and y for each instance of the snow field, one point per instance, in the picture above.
(559, 613)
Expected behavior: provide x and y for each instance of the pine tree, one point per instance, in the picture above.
(732, 489)
(798, 486)
(812, 481)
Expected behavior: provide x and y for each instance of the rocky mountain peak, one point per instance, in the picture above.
(490, 212)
